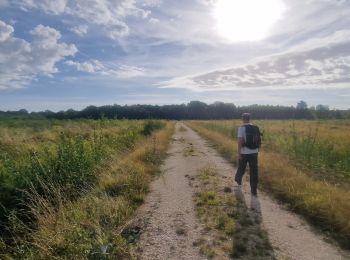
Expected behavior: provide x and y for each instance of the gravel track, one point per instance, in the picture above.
(168, 220)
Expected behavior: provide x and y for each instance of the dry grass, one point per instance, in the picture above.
(91, 227)
(325, 204)
(321, 147)
(19, 138)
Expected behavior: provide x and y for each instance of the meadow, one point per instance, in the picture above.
(68, 187)
(303, 163)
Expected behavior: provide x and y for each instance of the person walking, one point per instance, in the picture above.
(249, 141)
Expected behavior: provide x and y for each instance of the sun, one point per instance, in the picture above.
(246, 20)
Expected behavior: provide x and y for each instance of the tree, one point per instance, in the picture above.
(302, 105)
(197, 109)
(322, 111)
(23, 111)
(322, 107)
(192, 110)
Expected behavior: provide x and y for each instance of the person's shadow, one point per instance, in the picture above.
(250, 239)
(255, 207)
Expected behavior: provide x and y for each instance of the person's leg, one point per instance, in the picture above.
(242, 164)
(253, 171)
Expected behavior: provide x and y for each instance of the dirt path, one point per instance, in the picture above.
(168, 220)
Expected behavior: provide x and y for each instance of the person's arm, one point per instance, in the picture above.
(239, 143)
(239, 146)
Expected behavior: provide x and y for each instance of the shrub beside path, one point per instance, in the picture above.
(169, 226)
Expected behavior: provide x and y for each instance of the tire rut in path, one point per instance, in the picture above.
(168, 219)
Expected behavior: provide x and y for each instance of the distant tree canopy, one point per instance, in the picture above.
(192, 110)
(301, 105)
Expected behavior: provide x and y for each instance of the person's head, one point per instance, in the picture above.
(246, 117)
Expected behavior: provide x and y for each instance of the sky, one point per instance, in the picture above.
(61, 54)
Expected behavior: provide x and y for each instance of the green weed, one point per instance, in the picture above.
(58, 197)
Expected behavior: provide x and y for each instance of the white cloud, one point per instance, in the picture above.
(95, 66)
(148, 3)
(48, 6)
(5, 31)
(207, 2)
(184, 22)
(90, 67)
(153, 20)
(307, 19)
(80, 30)
(110, 14)
(22, 61)
(324, 62)
(126, 71)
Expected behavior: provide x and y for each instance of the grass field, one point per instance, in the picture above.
(304, 163)
(68, 187)
(321, 146)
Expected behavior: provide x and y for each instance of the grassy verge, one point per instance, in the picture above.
(318, 147)
(324, 204)
(90, 226)
(238, 231)
(63, 153)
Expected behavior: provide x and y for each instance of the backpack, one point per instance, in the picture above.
(253, 137)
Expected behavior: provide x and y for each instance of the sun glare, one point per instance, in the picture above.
(246, 20)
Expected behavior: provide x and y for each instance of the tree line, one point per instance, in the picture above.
(192, 110)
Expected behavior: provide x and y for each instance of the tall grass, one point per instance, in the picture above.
(69, 162)
(325, 204)
(68, 176)
(317, 153)
(322, 147)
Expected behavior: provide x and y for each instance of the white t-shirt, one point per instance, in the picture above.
(241, 134)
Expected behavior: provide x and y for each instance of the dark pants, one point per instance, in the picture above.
(252, 159)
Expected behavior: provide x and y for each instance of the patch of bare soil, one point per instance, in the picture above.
(167, 225)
